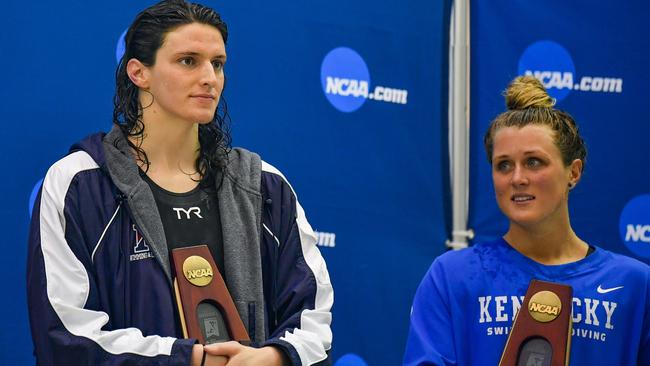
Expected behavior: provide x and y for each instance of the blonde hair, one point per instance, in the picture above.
(528, 103)
(527, 92)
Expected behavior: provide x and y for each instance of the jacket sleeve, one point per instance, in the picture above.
(65, 320)
(430, 339)
(300, 295)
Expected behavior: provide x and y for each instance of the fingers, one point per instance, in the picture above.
(211, 360)
(227, 349)
(197, 354)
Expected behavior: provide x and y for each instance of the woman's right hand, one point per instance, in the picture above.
(210, 360)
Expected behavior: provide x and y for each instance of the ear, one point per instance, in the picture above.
(575, 172)
(138, 73)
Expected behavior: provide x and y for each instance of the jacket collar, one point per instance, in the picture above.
(126, 176)
(240, 206)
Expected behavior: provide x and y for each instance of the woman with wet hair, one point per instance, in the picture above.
(464, 308)
(109, 213)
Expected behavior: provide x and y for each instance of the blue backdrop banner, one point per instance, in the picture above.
(347, 99)
(591, 56)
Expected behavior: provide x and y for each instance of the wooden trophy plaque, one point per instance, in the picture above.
(205, 307)
(541, 332)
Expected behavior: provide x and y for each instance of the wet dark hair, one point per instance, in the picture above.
(528, 103)
(142, 41)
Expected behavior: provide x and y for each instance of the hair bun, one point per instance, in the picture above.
(527, 92)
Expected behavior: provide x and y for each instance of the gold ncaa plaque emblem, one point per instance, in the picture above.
(544, 306)
(197, 270)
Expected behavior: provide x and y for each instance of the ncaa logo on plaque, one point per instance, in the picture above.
(634, 225)
(545, 306)
(553, 65)
(197, 271)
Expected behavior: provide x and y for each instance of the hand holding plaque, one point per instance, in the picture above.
(541, 333)
(205, 307)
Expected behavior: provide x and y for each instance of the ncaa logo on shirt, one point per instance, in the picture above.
(634, 225)
(140, 248)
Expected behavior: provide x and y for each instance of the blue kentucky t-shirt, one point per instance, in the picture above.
(464, 308)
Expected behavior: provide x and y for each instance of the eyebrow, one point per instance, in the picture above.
(528, 152)
(531, 152)
(192, 53)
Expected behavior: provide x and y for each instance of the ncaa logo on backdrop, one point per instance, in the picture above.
(345, 80)
(634, 225)
(34, 195)
(120, 47)
(325, 239)
(351, 359)
(553, 65)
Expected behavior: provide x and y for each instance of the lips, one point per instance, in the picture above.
(204, 96)
(521, 198)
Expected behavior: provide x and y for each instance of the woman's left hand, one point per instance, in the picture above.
(240, 355)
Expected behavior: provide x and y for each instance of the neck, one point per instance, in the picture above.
(550, 244)
(172, 148)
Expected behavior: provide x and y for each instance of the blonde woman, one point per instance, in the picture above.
(465, 305)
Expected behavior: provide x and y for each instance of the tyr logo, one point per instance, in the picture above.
(195, 210)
